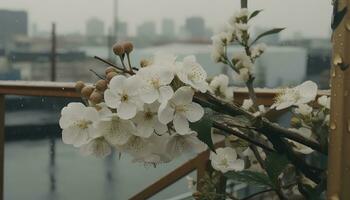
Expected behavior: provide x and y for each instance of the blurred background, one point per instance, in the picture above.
(39, 166)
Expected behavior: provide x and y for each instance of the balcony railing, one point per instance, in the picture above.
(55, 89)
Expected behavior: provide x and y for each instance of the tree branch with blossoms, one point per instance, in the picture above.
(156, 113)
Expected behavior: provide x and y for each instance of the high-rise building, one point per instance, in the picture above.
(195, 27)
(147, 30)
(168, 28)
(12, 24)
(95, 28)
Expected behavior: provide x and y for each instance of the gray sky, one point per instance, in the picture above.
(310, 17)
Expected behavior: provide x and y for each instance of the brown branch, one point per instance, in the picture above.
(231, 131)
(274, 133)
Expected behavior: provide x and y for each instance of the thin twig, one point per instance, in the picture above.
(109, 63)
(129, 62)
(98, 75)
(231, 131)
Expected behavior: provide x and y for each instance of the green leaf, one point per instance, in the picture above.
(254, 14)
(250, 177)
(275, 164)
(270, 32)
(203, 128)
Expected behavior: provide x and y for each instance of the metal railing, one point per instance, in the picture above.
(56, 89)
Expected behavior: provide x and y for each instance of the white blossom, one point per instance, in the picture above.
(122, 94)
(244, 74)
(152, 150)
(225, 159)
(305, 132)
(179, 144)
(78, 123)
(115, 130)
(324, 101)
(193, 74)
(180, 109)
(218, 47)
(244, 12)
(147, 121)
(219, 87)
(247, 104)
(155, 84)
(304, 109)
(258, 49)
(241, 26)
(98, 147)
(136, 146)
(241, 60)
(301, 94)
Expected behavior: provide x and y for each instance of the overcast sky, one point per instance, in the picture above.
(310, 17)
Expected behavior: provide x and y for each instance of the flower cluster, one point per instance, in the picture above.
(236, 30)
(146, 114)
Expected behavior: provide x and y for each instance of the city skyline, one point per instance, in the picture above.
(316, 24)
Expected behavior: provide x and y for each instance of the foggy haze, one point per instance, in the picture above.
(309, 17)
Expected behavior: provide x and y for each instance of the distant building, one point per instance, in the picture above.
(121, 30)
(168, 28)
(147, 30)
(95, 28)
(12, 24)
(195, 27)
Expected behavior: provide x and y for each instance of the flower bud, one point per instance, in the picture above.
(79, 85)
(295, 122)
(86, 91)
(110, 69)
(101, 85)
(110, 75)
(128, 47)
(96, 97)
(118, 49)
(144, 63)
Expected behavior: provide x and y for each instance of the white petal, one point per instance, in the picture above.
(111, 99)
(181, 124)
(144, 129)
(183, 96)
(91, 114)
(116, 132)
(194, 112)
(126, 110)
(98, 147)
(75, 136)
(148, 94)
(160, 128)
(284, 105)
(117, 83)
(165, 93)
(237, 165)
(166, 76)
(308, 90)
(132, 84)
(165, 113)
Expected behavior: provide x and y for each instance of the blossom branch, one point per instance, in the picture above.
(231, 131)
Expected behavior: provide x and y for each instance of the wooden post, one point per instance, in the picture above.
(2, 144)
(339, 145)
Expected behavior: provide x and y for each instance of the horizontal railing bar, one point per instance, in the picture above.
(66, 89)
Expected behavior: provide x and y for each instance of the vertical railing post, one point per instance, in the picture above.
(339, 145)
(2, 144)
